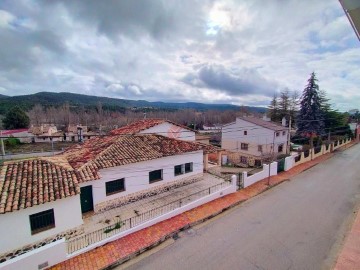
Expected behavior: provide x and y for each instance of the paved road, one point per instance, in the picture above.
(293, 226)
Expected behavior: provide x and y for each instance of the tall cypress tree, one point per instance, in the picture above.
(310, 120)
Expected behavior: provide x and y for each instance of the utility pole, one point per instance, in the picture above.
(2, 145)
(271, 158)
(288, 142)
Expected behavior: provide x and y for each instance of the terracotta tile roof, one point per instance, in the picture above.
(32, 182)
(263, 123)
(13, 131)
(111, 151)
(141, 125)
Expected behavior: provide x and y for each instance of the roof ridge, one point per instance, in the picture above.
(107, 149)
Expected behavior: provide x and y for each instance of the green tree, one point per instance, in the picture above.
(16, 118)
(273, 109)
(310, 121)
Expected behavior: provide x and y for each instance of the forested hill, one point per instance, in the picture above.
(47, 99)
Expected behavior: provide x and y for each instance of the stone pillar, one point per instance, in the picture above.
(206, 159)
(219, 156)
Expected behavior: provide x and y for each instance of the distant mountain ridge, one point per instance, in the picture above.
(113, 104)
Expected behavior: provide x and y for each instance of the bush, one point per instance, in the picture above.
(11, 142)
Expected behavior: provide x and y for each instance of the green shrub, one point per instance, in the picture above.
(11, 142)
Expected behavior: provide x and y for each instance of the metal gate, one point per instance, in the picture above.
(240, 181)
(280, 165)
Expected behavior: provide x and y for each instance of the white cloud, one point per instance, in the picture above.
(226, 50)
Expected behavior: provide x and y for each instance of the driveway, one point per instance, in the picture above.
(297, 225)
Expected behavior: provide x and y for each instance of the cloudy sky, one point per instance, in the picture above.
(239, 52)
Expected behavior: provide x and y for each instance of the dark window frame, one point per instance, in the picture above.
(284, 133)
(280, 146)
(245, 132)
(277, 134)
(178, 170)
(154, 173)
(260, 148)
(243, 159)
(244, 146)
(42, 221)
(190, 168)
(115, 186)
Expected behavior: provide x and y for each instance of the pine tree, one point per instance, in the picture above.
(310, 121)
(16, 118)
(273, 109)
(284, 103)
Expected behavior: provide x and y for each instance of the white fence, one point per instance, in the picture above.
(249, 180)
(291, 161)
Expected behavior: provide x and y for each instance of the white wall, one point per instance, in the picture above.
(233, 136)
(249, 180)
(290, 162)
(165, 128)
(218, 194)
(137, 174)
(50, 254)
(15, 226)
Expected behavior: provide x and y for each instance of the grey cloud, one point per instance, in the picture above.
(237, 82)
(17, 48)
(135, 18)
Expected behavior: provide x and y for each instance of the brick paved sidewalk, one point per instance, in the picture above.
(131, 245)
(349, 258)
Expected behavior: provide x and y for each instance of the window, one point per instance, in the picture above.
(244, 146)
(243, 159)
(277, 134)
(178, 170)
(260, 148)
(115, 186)
(188, 167)
(257, 163)
(284, 132)
(280, 148)
(155, 176)
(245, 132)
(42, 221)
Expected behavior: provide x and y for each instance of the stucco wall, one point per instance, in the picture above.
(233, 136)
(15, 226)
(249, 180)
(137, 174)
(47, 255)
(172, 131)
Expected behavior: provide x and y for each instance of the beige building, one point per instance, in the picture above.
(255, 137)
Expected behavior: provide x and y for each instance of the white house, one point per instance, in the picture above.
(22, 134)
(157, 126)
(41, 198)
(255, 137)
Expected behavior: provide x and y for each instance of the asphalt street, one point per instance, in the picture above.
(296, 225)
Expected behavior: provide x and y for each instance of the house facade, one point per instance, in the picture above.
(255, 137)
(22, 134)
(48, 196)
